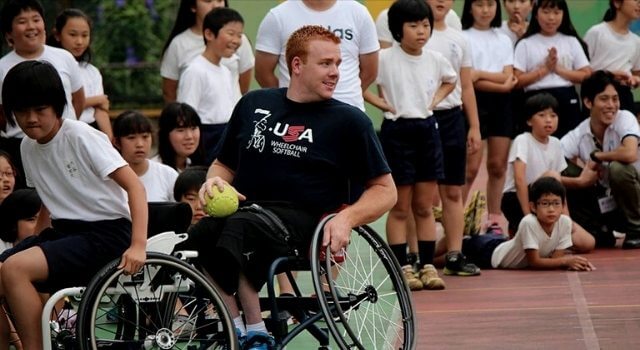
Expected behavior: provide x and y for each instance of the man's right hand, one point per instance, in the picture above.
(207, 188)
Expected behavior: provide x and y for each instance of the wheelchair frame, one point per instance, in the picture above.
(339, 303)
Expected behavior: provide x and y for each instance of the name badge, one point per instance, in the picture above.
(607, 204)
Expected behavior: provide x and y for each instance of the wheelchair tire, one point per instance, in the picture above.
(364, 299)
(168, 305)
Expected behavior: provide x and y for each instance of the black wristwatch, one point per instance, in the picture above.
(593, 156)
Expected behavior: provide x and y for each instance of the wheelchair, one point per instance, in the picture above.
(360, 302)
(168, 304)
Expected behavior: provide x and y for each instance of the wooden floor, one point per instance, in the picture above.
(528, 309)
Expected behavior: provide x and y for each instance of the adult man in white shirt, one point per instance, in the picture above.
(607, 143)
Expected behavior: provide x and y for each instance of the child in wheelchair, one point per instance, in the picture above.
(293, 151)
(83, 183)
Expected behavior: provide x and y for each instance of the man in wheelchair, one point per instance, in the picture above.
(298, 154)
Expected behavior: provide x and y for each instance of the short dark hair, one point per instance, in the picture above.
(32, 84)
(546, 185)
(131, 122)
(12, 9)
(218, 18)
(403, 11)
(596, 83)
(467, 18)
(19, 205)
(191, 179)
(539, 102)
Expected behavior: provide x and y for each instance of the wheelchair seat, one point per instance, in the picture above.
(168, 216)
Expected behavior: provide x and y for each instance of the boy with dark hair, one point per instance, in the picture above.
(607, 142)
(83, 183)
(411, 81)
(541, 239)
(206, 85)
(186, 188)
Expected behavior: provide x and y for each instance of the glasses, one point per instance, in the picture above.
(7, 174)
(548, 204)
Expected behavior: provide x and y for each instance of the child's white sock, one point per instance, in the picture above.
(240, 325)
(257, 327)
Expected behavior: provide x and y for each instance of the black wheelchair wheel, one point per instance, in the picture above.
(168, 305)
(362, 294)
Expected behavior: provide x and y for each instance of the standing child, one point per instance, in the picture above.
(552, 58)
(83, 183)
(22, 23)
(542, 238)
(409, 132)
(517, 21)
(493, 79)
(73, 33)
(132, 136)
(179, 137)
(457, 139)
(613, 47)
(534, 154)
(207, 85)
(185, 43)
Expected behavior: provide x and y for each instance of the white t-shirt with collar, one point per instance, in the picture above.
(410, 82)
(532, 52)
(71, 173)
(538, 157)
(579, 142)
(491, 50)
(92, 82)
(158, 181)
(530, 235)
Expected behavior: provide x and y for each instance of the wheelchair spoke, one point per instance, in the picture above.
(368, 306)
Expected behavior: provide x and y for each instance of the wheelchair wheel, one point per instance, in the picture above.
(362, 294)
(168, 305)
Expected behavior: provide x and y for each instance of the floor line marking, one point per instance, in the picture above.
(582, 309)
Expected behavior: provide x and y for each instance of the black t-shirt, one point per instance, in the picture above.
(318, 155)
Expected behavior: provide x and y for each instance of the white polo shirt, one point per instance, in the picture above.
(579, 142)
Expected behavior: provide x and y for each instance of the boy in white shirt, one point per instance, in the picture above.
(541, 240)
(206, 85)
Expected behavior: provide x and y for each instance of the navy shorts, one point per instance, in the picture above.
(495, 114)
(512, 211)
(413, 151)
(479, 248)
(453, 137)
(243, 242)
(569, 112)
(76, 250)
